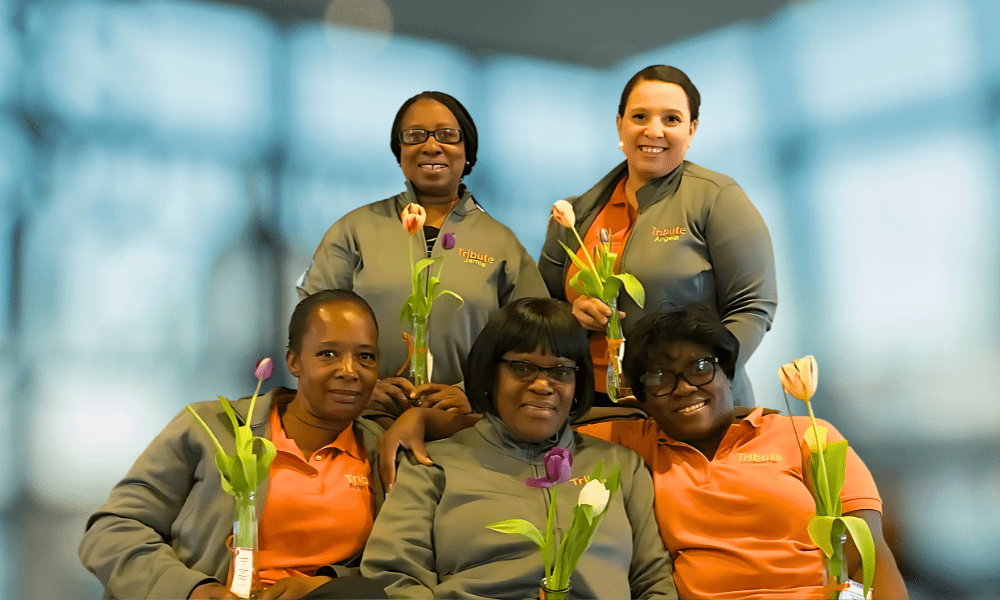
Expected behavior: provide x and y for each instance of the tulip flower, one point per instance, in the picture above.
(557, 469)
(448, 242)
(594, 495)
(604, 236)
(265, 367)
(800, 377)
(562, 212)
(413, 217)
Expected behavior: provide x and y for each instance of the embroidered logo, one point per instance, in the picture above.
(475, 258)
(583, 480)
(668, 234)
(756, 459)
(357, 482)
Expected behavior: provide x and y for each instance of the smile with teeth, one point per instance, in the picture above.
(435, 167)
(690, 409)
(652, 149)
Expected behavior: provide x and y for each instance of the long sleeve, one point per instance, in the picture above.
(333, 263)
(739, 246)
(524, 279)
(400, 553)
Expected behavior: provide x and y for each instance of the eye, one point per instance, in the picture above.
(563, 374)
(521, 369)
(326, 353)
(367, 358)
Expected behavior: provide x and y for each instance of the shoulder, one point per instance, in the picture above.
(374, 211)
(694, 173)
(602, 448)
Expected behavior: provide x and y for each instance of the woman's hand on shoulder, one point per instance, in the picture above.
(441, 397)
(407, 432)
(592, 313)
(294, 587)
(212, 590)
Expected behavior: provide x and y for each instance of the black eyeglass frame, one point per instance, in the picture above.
(427, 134)
(534, 370)
(656, 378)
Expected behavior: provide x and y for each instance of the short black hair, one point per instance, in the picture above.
(522, 326)
(469, 134)
(300, 316)
(667, 74)
(694, 323)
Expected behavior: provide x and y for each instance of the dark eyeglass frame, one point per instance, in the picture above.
(437, 133)
(534, 370)
(656, 378)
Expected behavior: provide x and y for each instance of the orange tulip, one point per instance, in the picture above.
(799, 378)
(562, 212)
(413, 217)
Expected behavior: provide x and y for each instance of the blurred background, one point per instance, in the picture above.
(167, 169)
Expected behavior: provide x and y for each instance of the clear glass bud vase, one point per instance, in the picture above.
(613, 331)
(244, 568)
(835, 569)
(546, 593)
(418, 361)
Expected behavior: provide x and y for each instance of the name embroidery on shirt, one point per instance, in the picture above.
(668, 234)
(358, 482)
(475, 258)
(754, 458)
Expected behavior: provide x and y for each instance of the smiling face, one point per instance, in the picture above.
(697, 415)
(434, 169)
(655, 130)
(535, 409)
(337, 366)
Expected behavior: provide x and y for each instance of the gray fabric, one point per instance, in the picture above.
(724, 258)
(367, 251)
(431, 541)
(164, 528)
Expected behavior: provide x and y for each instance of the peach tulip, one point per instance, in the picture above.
(799, 378)
(562, 212)
(413, 217)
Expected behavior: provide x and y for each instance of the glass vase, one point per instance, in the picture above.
(419, 372)
(835, 569)
(544, 593)
(244, 566)
(613, 332)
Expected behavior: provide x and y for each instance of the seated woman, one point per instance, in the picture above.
(164, 528)
(735, 526)
(529, 373)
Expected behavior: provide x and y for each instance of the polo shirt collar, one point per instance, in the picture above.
(346, 441)
(752, 420)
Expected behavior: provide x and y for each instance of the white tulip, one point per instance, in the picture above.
(596, 495)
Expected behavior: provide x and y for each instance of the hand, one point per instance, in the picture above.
(294, 587)
(407, 432)
(392, 395)
(441, 397)
(212, 590)
(592, 313)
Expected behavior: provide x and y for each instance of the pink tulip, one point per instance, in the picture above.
(265, 367)
(413, 217)
(562, 212)
(448, 241)
(557, 468)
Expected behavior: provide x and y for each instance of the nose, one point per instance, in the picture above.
(541, 384)
(684, 388)
(655, 129)
(431, 146)
(346, 367)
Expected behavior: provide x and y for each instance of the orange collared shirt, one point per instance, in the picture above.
(318, 511)
(735, 526)
(619, 219)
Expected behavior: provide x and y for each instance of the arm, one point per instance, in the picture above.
(888, 582)
(523, 278)
(552, 260)
(743, 262)
(127, 544)
(651, 571)
(399, 556)
(411, 429)
(333, 263)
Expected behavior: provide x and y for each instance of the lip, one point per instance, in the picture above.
(345, 395)
(540, 407)
(644, 148)
(703, 401)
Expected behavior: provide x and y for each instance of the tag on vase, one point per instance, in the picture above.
(854, 591)
(430, 366)
(621, 351)
(242, 572)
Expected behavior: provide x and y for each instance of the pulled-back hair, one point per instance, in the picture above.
(300, 316)
(694, 323)
(666, 74)
(470, 136)
(523, 326)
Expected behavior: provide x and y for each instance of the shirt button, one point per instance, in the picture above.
(318, 457)
(313, 474)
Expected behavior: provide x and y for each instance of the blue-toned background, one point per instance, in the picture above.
(167, 169)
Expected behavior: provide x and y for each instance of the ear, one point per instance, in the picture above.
(294, 364)
(618, 124)
(694, 127)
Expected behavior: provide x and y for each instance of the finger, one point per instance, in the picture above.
(420, 453)
(387, 462)
(402, 383)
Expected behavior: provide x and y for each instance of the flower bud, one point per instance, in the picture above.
(799, 378)
(605, 236)
(562, 212)
(596, 495)
(265, 367)
(448, 241)
(413, 217)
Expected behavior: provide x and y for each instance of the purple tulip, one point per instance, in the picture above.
(605, 236)
(557, 469)
(265, 367)
(448, 241)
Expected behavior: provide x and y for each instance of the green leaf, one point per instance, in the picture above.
(225, 465)
(633, 287)
(605, 262)
(204, 426)
(584, 267)
(613, 482)
(862, 536)
(591, 283)
(249, 463)
(836, 466)
(521, 527)
(264, 457)
(820, 527)
(610, 290)
(406, 314)
(232, 418)
(598, 470)
(432, 286)
(450, 293)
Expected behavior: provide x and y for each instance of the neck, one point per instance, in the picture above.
(632, 186)
(437, 207)
(308, 432)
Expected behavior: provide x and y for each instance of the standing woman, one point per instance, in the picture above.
(690, 235)
(434, 140)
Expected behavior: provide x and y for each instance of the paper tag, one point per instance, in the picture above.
(430, 366)
(621, 351)
(242, 572)
(854, 591)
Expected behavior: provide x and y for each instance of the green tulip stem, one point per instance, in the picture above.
(593, 267)
(825, 484)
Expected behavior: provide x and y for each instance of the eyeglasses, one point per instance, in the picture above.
(419, 136)
(698, 373)
(526, 371)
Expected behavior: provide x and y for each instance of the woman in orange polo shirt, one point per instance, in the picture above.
(730, 500)
(163, 530)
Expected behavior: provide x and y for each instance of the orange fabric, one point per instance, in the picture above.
(735, 526)
(318, 511)
(618, 218)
